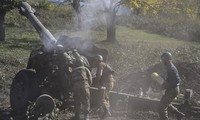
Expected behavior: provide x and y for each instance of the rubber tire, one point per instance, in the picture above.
(24, 88)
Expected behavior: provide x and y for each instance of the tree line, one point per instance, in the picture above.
(190, 8)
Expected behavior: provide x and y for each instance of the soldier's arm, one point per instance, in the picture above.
(89, 75)
(86, 63)
(67, 59)
(99, 73)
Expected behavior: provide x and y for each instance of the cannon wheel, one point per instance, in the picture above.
(24, 89)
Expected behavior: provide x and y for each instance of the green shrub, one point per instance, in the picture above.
(44, 4)
(59, 17)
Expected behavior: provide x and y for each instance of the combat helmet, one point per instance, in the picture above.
(166, 56)
(78, 63)
(99, 58)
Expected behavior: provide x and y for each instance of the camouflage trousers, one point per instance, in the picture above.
(82, 97)
(165, 103)
(105, 102)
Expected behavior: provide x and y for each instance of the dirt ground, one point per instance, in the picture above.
(120, 115)
(123, 115)
(190, 79)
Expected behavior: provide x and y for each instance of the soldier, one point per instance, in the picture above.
(105, 79)
(65, 64)
(76, 55)
(81, 80)
(171, 87)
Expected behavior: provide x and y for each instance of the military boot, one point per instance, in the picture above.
(86, 116)
(180, 115)
(106, 112)
(76, 117)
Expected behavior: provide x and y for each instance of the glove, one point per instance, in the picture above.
(101, 88)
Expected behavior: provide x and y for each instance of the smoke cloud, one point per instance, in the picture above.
(93, 14)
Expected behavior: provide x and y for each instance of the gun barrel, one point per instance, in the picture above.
(47, 38)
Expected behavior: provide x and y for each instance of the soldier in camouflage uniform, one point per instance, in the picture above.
(81, 80)
(76, 55)
(105, 79)
(171, 85)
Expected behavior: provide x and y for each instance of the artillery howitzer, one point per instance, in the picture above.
(47, 76)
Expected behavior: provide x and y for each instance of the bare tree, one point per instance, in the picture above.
(198, 8)
(5, 6)
(76, 6)
(2, 29)
(111, 10)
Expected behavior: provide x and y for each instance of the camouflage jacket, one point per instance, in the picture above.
(104, 73)
(81, 74)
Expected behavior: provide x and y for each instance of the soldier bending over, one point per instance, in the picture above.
(81, 80)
